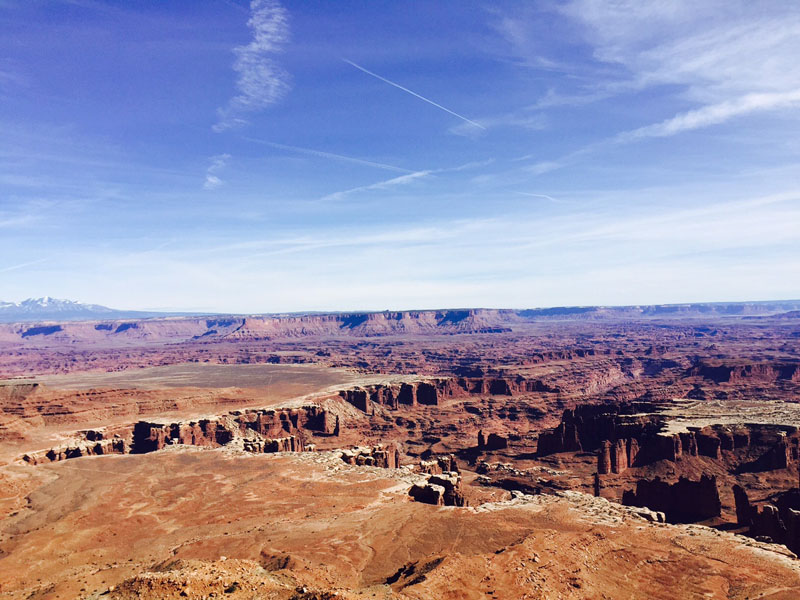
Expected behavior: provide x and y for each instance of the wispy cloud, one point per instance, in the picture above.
(330, 155)
(554, 99)
(706, 116)
(261, 81)
(531, 122)
(714, 114)
(721, 49)
(649, 253)
(21, 219)
(218, 163)
(726, 55)
(726, 59)
(23, 265)
(415, 94)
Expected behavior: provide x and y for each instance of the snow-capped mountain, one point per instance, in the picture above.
(53, 309)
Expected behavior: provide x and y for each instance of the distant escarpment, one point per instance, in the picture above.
(731, 372)
(108, 327)
(204, 329)
(632, 435)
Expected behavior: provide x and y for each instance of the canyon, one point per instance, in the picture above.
(466, 453)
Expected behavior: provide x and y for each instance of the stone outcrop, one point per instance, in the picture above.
(744, 511)
(619, 456)
(563, 438)
(585, 427)
(779, 521)
(735, 373)
(604, 458)
(685, 501)
(88, 447)
(289, 443)
(782, 452)
(451, 482)
(386, 456)
(274, 422)
(631, 435)
(442, 490)
(263, 430)
(438, 464)
(270, 424)
(433, 391)
(152, 436)
(616, 457)
(427, 493)
(647, 514)
(494, 441)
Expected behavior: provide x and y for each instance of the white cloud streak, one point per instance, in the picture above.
(714, 114)
(415, 94)
(261, 81)
(532, 122)
(706, 116)
(218, 163)
(732, 57)
(727, 57)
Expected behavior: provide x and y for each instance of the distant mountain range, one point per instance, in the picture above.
(53, 309)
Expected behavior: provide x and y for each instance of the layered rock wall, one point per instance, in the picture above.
(433, 391)
(386, 456)
(627, 436)
(685, 501)
(88, 447)
(779, 521)
(441, 490)
(737, 373)
(263, 430)
(438, 464)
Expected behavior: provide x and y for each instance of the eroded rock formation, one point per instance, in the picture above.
(433, 391)
(289, 443)
(386, 456)
(494, 441)
(94, 445)
(684, 501)
(720, 372)
(438, 464)
(262, 430)
(443, 489)
(777, 520)
(631, 435)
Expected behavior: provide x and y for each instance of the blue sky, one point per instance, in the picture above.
(265, 156)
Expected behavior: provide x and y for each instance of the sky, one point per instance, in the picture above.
(266, 156)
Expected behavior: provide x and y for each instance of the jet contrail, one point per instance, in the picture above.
(23, 265)
(397, 85)
(540, 196)
(312, 152)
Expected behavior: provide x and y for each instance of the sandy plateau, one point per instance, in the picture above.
(438, 454)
